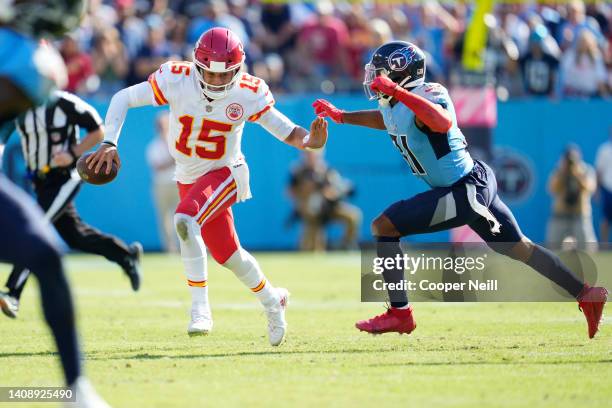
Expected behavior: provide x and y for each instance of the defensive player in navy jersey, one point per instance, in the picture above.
(421, 120)
(29, 71)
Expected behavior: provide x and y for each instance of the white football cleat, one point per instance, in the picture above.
(201, 320)
(277, 325)
(85, 396)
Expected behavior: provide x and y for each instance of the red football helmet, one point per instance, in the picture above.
(218, 50)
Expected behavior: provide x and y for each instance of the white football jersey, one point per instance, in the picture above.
(206, 135)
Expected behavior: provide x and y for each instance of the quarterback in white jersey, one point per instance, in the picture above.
(210, 100)
(209, 130)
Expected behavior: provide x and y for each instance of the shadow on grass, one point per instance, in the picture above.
(29, 354)
(147, 356)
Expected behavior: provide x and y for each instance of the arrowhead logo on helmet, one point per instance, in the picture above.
(219, 57)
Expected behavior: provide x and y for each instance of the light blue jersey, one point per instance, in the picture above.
(439, 159)
(35, 68)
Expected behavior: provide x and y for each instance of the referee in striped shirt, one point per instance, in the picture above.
(51, 146)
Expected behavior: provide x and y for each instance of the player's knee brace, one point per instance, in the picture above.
(186, 227)
(245, 267)
(193, 251)
(189, 235)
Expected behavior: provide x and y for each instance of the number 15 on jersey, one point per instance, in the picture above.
(206, 135)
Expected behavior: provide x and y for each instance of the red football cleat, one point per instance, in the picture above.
(393, 320)
(591, 301)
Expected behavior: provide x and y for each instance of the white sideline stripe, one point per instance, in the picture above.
(213, 196)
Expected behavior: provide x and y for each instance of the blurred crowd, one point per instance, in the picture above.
(556, 49)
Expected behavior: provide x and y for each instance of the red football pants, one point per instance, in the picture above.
(209, 201)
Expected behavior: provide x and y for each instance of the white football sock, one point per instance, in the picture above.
(193, 254)
(246, 268)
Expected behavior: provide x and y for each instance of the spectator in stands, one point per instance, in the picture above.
(271, 69)
(359, 41)
(110, 61)
(153, 53)
(81, 74)
(164, 187)
(320, 194)
(539, 68)
(577, 22)
(177, 39)
(381, 33)
(279, 30)
(583, 71)
(514, 25)
(572, 186)
(277, 38)
(215, 13)
(132, 29)
(334, 39)
(603, 164)
(436, 24)
(322, 45)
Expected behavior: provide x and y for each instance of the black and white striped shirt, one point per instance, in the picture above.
(54, 127)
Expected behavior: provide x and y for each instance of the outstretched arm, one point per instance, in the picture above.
(432, 115)
(288, 132)
(134, 96)
(367, 118)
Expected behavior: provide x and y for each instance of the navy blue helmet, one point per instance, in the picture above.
(401, 61)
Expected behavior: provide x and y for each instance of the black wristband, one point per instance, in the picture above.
(108, 142)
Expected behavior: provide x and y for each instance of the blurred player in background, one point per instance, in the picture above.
(210, 100)
(29, 71)
(51, 147)
(420, 118)
(164, 187)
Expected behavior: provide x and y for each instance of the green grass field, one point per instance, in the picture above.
(461, 355)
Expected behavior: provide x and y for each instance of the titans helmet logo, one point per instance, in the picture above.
(399, 59)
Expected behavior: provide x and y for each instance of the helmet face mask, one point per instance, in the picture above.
(402, 62)
(370, 73)
(217, 54)
(213, 91)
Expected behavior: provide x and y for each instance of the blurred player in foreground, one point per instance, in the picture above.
(29, 71)
(420, 118)
(210, 100)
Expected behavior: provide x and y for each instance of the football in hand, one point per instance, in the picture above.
(90, 176)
